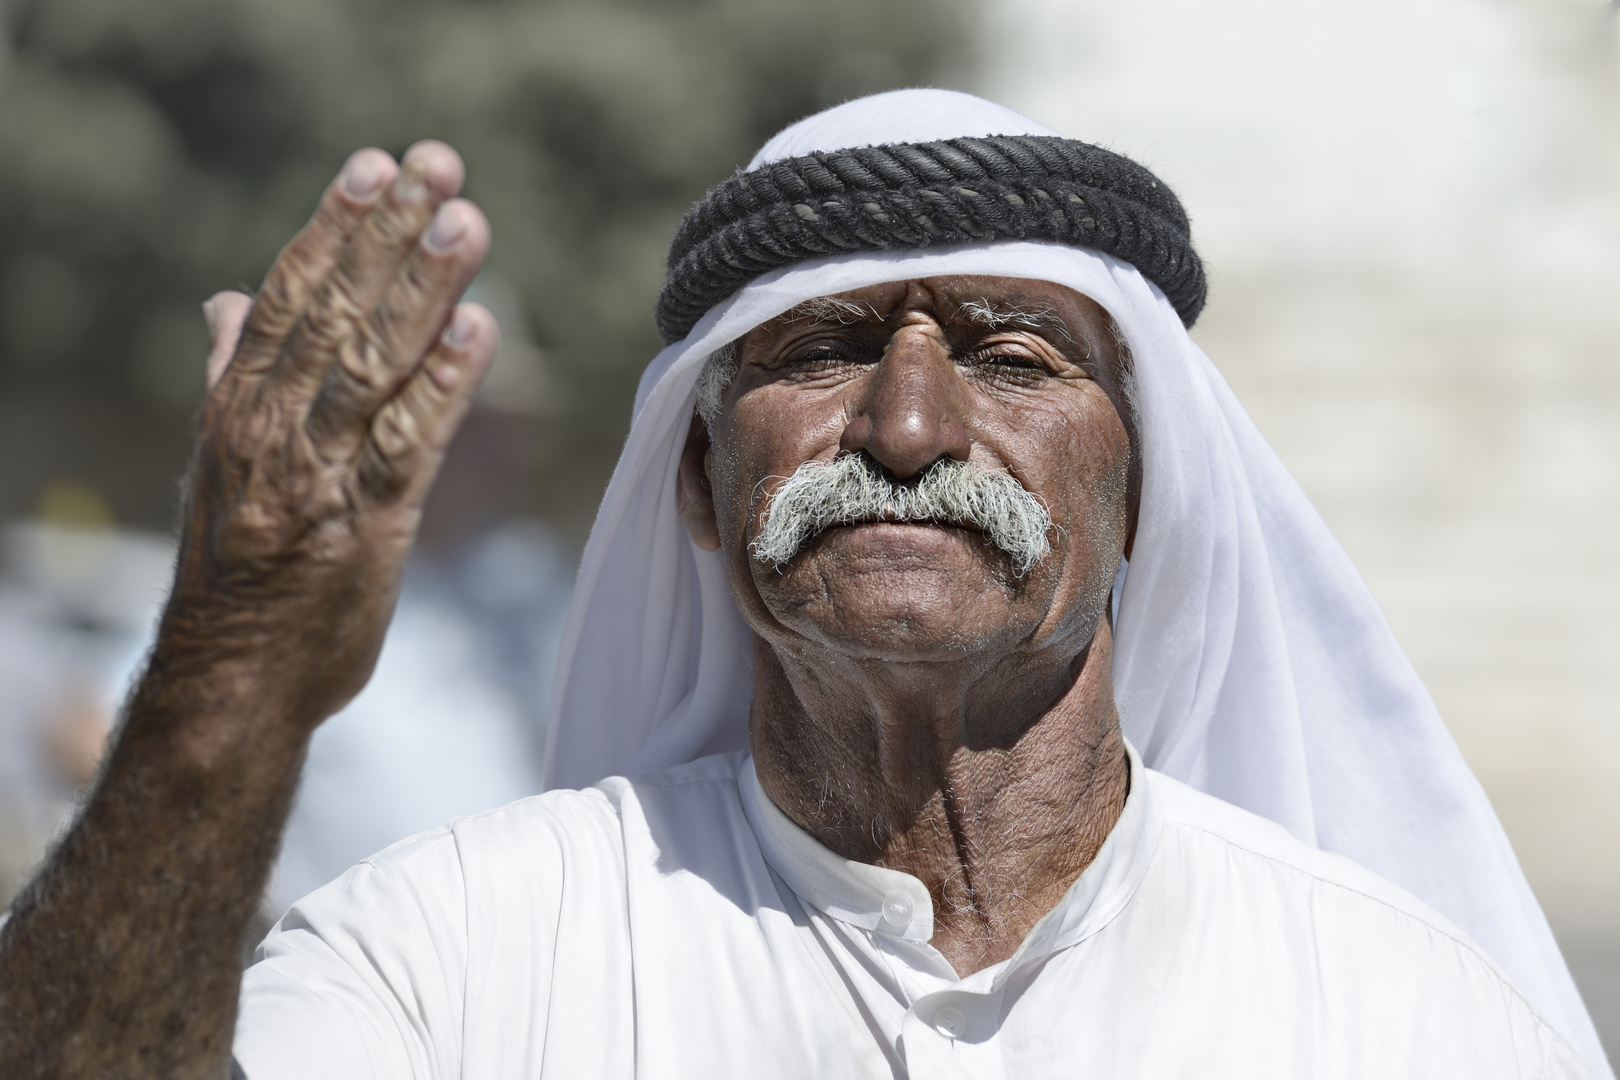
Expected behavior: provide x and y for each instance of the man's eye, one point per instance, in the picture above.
(820, 356)
(1008, 361)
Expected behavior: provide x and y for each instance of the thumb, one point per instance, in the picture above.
(225, 313)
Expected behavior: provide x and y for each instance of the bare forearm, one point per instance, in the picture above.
(332, 398)
(122, 957)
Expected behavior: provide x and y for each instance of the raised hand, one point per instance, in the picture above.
(325, 425)
(332, 396)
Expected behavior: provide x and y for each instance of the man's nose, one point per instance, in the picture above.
(913, 409)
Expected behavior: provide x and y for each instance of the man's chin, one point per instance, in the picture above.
(909, 636)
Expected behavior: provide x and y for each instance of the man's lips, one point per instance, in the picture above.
(927, 523)
(875, 527)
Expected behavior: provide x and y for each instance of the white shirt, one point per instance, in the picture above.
(679, 925)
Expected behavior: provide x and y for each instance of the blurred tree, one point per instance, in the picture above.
(153, 153)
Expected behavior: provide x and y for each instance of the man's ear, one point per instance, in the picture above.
(694, 496)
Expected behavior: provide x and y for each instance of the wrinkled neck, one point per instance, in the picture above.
(992, 782)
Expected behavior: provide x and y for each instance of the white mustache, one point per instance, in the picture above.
(851, 490)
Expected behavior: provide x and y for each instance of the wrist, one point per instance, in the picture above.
(214, 708)
(284, 653)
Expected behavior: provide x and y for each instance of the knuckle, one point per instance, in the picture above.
(397, 430)
(336, 213)
(363, 359)
(295, 274)
(378, 478)
(426, 277)
(332, 317)
(279, 300)
(390, 319)
(254, 352)
(396, 229)
(398, 220)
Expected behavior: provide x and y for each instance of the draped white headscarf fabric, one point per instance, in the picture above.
(1251, 661)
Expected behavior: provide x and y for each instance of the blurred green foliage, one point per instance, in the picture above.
(153, 152)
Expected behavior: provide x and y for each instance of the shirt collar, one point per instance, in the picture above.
(896, 904)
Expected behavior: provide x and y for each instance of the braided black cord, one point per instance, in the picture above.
(959, 191)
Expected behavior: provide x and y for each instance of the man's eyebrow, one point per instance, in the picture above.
(993, 316)
(828, 309)
(1041, 318)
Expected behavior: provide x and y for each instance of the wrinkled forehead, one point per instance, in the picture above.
(985, 302)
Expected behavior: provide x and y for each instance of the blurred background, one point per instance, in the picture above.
(1410, 210)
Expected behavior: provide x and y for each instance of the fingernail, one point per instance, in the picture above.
(363, 176)
(460, 330)
(210, 315)
(446, 230)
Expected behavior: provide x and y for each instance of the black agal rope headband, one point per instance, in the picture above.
(921, 195)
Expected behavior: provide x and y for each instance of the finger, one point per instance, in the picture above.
(373, 363)
(305, 262)
(430, 173)
(224, 312)
(410, 432)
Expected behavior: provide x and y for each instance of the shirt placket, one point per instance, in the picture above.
(951, 1027)
(953, 1033)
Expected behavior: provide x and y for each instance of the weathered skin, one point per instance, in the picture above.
(915, 704)
(332, 397)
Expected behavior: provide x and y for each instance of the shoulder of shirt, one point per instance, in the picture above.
(1208, 819)
(563, 809)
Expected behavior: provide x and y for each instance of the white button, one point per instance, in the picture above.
(950, 1022)
(897, 910)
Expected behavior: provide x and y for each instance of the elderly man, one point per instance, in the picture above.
(930, 503)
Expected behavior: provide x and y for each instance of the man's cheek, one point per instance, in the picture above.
(739, 507)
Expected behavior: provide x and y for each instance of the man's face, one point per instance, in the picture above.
(1019, 377)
